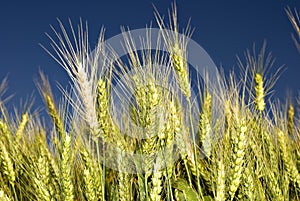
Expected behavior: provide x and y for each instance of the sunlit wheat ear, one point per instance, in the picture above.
(92, 176)
(106, 127)
(66, 169)
(89, 177)
(156, 181)
(124, 186)
(52, 172)
(59, 126)
(169, 155)
(73, 53)
(271, 150)
(205, 130)
(103, 108)
(21, 127)
(220, 181)
(272, 182)
(181, 68)
(259, 92)
(286, 155)
(291, 119)
(45, 90)
(3, 196)
(248, 183)
(42, 179)
(6, 135)
(7, 168)
(176, 45)
(238, 140)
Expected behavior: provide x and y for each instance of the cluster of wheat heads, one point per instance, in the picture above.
(151, 144)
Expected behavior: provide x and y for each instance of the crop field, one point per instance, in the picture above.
(134, 128)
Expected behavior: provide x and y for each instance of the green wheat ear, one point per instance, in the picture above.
(21, 127)
(238, 140)
(180, 66)
(291, 119)
(260, 93)
(7, 165)
(205, 130)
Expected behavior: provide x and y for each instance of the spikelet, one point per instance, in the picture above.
(21, 127)
(260, 93)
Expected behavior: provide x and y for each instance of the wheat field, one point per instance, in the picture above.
(165, 141)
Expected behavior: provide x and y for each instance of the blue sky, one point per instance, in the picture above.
(224, 29)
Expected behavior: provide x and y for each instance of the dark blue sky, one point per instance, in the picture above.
(223, 28)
